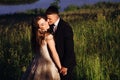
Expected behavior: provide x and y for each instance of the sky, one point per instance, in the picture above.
(5, 9)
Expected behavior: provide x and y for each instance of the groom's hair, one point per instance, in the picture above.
(52, 9)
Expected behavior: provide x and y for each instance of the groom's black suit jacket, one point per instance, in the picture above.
(63, 37)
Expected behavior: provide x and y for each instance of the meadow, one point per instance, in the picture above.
(96, 44)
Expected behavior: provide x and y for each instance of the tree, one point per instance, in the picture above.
(56, 3)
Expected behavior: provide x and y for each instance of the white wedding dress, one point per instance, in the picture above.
(42, 67)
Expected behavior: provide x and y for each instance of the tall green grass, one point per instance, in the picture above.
(15, 50)
(96, 47)
(97, 50)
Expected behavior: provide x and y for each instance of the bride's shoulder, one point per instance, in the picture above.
(49, 37)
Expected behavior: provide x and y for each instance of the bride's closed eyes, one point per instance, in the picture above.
(43, 25)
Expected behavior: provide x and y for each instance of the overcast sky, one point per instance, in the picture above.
(5, 9)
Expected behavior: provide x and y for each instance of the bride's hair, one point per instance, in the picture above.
(37, 36)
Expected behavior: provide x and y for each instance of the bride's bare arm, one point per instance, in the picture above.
(51, 44)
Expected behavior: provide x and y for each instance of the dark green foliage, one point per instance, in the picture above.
(56, 3)
(107, 5)
(102, 5)
(72, 8)
(11, 2)
(15, 45)
(115, 14)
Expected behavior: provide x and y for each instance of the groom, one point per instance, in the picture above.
(63, 36)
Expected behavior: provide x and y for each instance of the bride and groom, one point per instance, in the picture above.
(53, 47)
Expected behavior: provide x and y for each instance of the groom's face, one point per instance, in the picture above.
(52, 18)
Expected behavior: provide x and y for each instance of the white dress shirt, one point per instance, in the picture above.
(56, 24)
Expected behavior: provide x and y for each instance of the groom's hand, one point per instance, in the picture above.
(63, 71)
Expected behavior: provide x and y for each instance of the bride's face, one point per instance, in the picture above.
(43, 25)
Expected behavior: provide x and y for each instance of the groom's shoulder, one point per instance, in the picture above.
(63, 22)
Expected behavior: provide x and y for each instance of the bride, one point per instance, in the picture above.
(45, 65)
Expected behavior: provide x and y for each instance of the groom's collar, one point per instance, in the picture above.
(56, 23)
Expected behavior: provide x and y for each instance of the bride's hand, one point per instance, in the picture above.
(64, 71)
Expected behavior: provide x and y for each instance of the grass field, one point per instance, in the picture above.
(97, 47)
